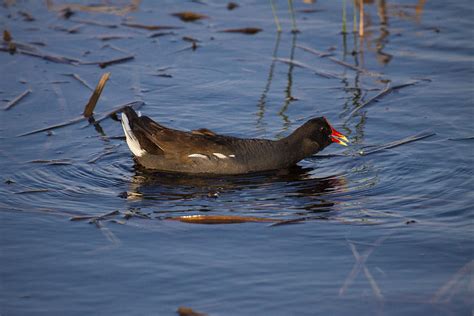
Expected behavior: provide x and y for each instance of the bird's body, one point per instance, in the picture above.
(203, 152)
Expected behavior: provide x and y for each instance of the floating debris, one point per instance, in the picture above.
(102, 116)
(108, 37)
(245, 30)
(130, 195)
(84, 83)
(387, 90)
(232, 5)
(7, 37)
(52, 161)
(189, 16)
(320, 73)
(96, 217)
(135, 213)
(220, 219)
(26, 16)
(92, 22)
(188, 311)
(406, 140)
(105, 63)
(68, 9)
(159, 34)
(32, 191)
(150, 27)
(13, 102)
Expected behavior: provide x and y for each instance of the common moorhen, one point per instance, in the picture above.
(202, 151)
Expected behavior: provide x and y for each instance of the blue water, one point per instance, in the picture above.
(405, 213)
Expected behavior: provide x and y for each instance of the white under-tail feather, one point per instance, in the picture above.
(132, 141)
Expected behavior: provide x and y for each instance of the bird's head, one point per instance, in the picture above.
(320, 131)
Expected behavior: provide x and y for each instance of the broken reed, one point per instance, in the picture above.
(89, 109)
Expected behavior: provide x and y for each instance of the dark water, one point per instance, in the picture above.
(405, 212)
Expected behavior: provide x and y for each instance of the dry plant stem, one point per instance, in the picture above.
(219, 219)
(151, 27)
(13, 102)
(361, 17)
(275, 17)
(89, 217)
(76, 76)
(89, 108)
(406, 140)
(387, 90)
(105, 63)
(101, 117)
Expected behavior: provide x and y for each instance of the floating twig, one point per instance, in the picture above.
(189, 16)
(135, 213)
(323, 74)
(387, 90)
(98, 217)
(462, 138)
(159, 34)
(375, 149)
(220, 219)
(188, 311)
(26, 16)
(52, 161)
(102, 116)
(108, 37)
(135, 104)
(290, 221)
(406, 140)
(89, 108)
(105, 63)
(51, 127)
(338, 61)
(98, 8)
(32, 191)
(13, 102)
(29, 50)
(150, 27)
(76, 76)
(245, 30)
(92, 22)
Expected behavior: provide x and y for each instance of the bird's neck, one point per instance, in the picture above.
(298, 145)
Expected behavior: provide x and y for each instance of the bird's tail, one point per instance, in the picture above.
(129, 118)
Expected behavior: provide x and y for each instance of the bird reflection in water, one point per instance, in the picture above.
(295, 191)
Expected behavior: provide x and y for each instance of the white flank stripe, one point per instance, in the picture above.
(232, 156)
(132, 141)
(198, 156)
(220, 156)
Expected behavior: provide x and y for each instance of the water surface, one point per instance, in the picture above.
(405, 213)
